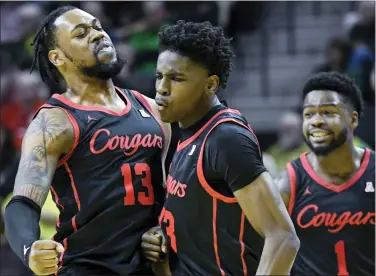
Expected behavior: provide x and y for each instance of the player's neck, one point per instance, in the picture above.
(93, 91)
(342, 161)
(199, 112)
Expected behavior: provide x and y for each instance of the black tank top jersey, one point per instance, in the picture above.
(208, 232)
(109, 187)
(335, 224)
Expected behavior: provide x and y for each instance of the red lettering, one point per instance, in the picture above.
(92, 141)
(144, 198)
(181, 192)
(129, 145)
(332, 221)
(168, 219)
(175, 188)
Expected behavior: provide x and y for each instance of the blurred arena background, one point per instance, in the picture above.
(278, 45)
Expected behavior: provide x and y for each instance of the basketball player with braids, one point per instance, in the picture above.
(223, 214)
(330, 191)
(98, 148)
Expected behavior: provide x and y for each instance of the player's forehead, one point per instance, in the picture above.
(66, 22)
(170, 62)
(322, 98)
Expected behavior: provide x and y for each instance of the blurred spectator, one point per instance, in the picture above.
(142, 36)
(9, 159)
(22, 96)
(361, 61)
(364, 14)
(337, 55)
(290, 144)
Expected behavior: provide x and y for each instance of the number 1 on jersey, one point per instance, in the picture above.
(143, 170)
(341, 258)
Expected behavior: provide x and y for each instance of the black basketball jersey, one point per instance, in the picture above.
(109, 187)
(208, 232)
(335, 223)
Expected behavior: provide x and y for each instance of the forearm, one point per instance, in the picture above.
(278, 254)
(22, 225)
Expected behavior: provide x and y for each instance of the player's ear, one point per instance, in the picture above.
(354, 119)
(56, 57)
(212, 85)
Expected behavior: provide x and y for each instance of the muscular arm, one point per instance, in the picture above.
(264, 208)
(240, 164)
(283, 183)
(47, 138)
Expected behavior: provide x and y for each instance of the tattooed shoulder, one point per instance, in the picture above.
(48, 136)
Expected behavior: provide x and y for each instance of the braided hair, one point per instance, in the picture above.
(43, 42)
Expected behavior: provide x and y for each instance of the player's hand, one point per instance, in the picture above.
(154, 245)
(43, 257)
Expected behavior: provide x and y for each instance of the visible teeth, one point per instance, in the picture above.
(319, 133)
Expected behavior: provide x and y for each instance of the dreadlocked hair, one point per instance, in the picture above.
(202, 43)
(43, 42)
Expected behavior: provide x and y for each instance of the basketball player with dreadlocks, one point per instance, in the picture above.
(330, 192)
(100, 150)
(223, 214)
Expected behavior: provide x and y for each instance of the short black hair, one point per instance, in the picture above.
(337, 82)
(202, 43)
(44, 41)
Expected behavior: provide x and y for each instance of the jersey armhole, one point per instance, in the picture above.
(76, 129)
(200, 171)
(292, 178)
(146, 104)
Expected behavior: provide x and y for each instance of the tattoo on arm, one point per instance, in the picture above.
(43, 144)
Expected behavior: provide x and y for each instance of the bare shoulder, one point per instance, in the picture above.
(54, 126)
(282, 181)
(48, 137)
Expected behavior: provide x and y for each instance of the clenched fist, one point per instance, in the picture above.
(43, 257)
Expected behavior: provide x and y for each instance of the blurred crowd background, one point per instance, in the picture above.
(278, 45)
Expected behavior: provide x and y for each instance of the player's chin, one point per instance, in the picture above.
(167, 117)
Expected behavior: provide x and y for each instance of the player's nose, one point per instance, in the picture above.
(162, 87)
(96, 36)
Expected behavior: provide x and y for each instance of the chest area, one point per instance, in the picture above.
(105, 135)
(319, 209)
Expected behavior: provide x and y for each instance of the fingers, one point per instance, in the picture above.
(151, 256)
(47, 244)
(42, 255)
(151, 238)
(48, 271)
(164, 244)
(150, 247)
(49, 263)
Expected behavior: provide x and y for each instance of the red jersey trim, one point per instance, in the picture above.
(292, 176)
(194, 137)
(76, 130)
(215, 238)
(200, 170)
(68, 102)
(242, 246)
(145, 102)
(333, 187)
(75, 193)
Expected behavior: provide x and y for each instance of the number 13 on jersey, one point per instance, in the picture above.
(167, 218)
(142, 170)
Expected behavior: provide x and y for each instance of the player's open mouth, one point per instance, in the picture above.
(318, 136)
